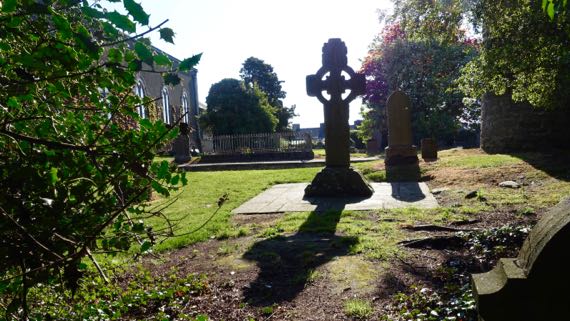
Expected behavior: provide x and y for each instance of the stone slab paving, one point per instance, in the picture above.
(290, 198)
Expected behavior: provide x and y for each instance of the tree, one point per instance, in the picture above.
(255, 71)
(234, 108)
(408, 55)
(524, 56)
(77, 160)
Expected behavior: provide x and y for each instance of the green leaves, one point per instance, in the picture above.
(64, 160)
(162, 60)
(144, 53)
(121, 21)
(171, 79)
(136, 11)
(9, 6)
(167, 35)
(189, 63)
(53, 176)
(146, 246)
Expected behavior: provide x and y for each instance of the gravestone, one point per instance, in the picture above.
(208, 142)
(337, 178)
(429, 149)
(181, 145)
(400, 150)
(535, 286)
(308, 142)
(372, 147)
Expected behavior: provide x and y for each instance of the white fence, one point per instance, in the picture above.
(256, 143)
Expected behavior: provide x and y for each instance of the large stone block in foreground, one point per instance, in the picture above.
(339, 181)
(536, 285)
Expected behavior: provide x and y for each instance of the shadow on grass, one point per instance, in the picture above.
(555, 163)
(287, 263)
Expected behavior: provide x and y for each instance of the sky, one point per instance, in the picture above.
(288, 35)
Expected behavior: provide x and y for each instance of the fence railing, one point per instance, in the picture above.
(256, 143)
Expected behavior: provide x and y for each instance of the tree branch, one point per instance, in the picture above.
(109, 44)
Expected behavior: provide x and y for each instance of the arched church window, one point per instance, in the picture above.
(139, 91)
(185, 108)
(165, 104)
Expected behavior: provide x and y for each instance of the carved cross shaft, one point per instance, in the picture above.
(329, 78)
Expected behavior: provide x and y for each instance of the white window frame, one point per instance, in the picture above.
(185, 108)
(165, 105)
(139, 91)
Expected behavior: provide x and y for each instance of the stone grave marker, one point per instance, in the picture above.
(400, 150)
(208, 142)
(337, 178)
(536, 285)
(372, 147)
(308, 142)
(429, 149)
(181, 145)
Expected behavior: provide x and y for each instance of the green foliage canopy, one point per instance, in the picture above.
(421, 52)
(76, 160)
(234, 108)
(525, 54)
(255, 72)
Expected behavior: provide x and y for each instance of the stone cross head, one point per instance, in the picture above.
(329, 77)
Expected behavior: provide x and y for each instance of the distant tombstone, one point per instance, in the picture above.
(372, 147)
(429, 149)
(535, 286)
(308, 141)
(181, 145)
(208, 142)
(400, 150)
(337, 178)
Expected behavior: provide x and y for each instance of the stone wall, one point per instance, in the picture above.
(508, 127)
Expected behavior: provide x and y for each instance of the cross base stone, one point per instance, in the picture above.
(401, 155)
(339, 181)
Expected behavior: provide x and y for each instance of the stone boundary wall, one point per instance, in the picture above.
(507, 126)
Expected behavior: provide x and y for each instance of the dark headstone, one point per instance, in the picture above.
(534, 286)
(372, 147)
(181, 145)
(338, 172)
(429, 149)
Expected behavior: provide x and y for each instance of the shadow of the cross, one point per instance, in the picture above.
(287, 263)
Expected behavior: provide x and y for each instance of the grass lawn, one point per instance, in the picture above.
(198, 200)
(351, 264)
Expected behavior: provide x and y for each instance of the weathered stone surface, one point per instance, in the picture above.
(400, 150)
(337, 134)
(181, 149)
(535, 286)
(372, 147)
(429, 149)
(510, 184)
(339, 181)
(507, 126)
(290, 198)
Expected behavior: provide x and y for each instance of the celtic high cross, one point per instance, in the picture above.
(330, 78)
